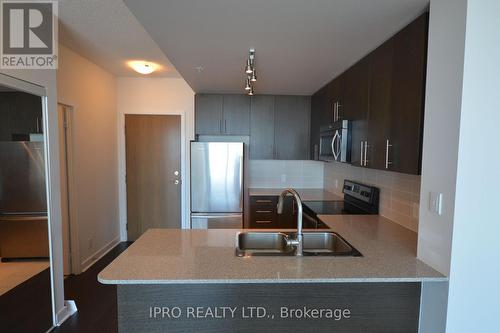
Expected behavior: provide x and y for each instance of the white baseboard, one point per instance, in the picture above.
(67, 311)
(99, 254)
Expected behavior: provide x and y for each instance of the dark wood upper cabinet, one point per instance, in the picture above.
(407, 97)
(291, 134)
(278, 126)
(222, 114)
(208, 115)
(379, 118)
(383, 97)
(262, 127)
(320, 116)
(236, 115)
(354, 106)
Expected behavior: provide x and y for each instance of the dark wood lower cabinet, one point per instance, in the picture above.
(264, 214)
(271, 307)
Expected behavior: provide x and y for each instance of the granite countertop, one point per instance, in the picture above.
(172, 256)
(306, 194)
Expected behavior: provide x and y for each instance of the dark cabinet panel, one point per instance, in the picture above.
(291, 135)
(208, 114)
(407, 98)
(236, 115)
(20, 114)
(262, 127)
(379, 121)
(355, 107)
(319, 102)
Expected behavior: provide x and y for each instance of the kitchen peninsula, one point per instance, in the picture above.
(167, 274)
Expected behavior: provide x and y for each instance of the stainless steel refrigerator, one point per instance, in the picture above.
(216, 185)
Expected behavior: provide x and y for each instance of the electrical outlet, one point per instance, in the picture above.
(283, 178)
(436, 202)
(336, 183)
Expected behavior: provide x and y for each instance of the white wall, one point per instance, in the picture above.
(441, 129)
(280, 174)
(91, 91)
(154, 96)
(47, 79)
(474, 290)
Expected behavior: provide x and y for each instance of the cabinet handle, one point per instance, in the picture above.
(225, 126)
(339, 107)
(37, 125)
(263, 201)
(366, 149)
(263, 221)
(361, 161)
(335, 112)
(263, 211)
(387, 145)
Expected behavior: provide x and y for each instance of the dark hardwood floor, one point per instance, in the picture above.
(96, 303)
(27, 307)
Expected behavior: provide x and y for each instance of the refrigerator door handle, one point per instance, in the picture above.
(202, 216)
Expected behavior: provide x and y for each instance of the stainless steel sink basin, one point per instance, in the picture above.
(254, 243)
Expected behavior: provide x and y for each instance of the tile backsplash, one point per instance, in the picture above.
(399, 193)
(280, 173)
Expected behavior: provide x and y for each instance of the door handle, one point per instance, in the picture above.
(362, 147)
(387, 145)
(366, 149)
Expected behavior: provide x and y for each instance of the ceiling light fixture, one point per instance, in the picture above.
(143, 67)
(250, 72)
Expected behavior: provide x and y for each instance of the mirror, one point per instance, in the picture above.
(25, 285)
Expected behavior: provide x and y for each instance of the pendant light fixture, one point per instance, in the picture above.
(250, 71)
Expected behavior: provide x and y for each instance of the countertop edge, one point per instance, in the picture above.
(272, 281)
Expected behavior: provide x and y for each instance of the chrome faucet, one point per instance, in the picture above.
(297, 241)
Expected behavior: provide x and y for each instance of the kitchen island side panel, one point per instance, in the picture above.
(355, 307)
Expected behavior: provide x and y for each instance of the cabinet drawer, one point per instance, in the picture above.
(264, 201)
(264, 223)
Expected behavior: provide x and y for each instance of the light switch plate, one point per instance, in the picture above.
(436, 202)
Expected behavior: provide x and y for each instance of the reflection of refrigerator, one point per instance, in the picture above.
(216, 185)
(23, 201)
(22, 179)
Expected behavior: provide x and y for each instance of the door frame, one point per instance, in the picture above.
(73, 240)
(51, 171)
(122, 166)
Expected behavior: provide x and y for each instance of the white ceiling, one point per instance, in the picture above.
(105, 32)
(300, 44)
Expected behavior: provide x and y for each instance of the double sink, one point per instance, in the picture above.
(255, 243)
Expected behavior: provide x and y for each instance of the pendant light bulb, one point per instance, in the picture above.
(253, 78)
(249, 68)
(248, 85)
(250, 93)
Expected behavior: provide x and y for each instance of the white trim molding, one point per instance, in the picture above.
(67, 311)
(87, 263)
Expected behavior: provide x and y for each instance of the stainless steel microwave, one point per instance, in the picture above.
(335, 142)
